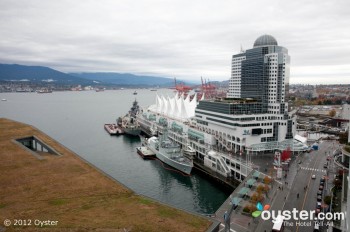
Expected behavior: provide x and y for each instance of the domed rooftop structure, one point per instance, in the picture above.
(265, 40)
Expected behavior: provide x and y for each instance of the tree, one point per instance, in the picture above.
(267, 180)
(337, 183)
(332, 113)
(327, 200)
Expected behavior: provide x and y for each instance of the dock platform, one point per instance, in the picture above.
(113, 129)
(145, 152)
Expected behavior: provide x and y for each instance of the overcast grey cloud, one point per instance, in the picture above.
(186, 39)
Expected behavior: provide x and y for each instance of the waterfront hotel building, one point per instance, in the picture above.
(255, 115)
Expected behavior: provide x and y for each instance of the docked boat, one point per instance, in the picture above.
(44, 90)
(135, 93)
(145, 152)
(128, 123)
(170, 153)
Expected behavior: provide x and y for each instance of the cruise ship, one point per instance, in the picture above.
(170, 153)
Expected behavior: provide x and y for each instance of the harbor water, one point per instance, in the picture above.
(76, 120)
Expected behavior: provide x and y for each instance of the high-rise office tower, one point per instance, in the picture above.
(262, 73)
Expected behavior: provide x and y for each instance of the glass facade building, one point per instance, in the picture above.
(256, 107)
(262, 73)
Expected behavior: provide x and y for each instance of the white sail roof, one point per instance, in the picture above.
(178, 107)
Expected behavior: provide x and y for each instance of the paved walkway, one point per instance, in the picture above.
(277, 195)
(245, 223)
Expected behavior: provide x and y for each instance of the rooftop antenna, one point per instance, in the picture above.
(242, 50)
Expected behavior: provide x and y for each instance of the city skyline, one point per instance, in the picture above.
(179, 39)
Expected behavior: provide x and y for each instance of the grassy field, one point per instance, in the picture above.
(68, 190)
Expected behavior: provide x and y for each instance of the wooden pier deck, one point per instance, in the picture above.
(113, 129)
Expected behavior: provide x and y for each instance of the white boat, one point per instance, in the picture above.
(3, 99)
(44, 90)
(170, 153)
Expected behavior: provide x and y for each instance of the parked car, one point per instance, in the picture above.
(325, 165)
(319, 192)
(313, 176)
(320, 187)
(318, 205)
(319, 198)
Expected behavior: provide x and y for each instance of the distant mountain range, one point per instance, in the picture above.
(16, 72)
(126, 79)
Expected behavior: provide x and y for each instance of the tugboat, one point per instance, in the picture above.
(128, 123)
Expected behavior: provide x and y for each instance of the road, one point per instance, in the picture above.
(311, 164)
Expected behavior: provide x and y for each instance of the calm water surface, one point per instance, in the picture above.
(76, 120)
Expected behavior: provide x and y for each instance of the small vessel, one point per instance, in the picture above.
(153, 90)
(128, 123)
(135, 93)
(4, 99)
(145, 152)
(99, 90)
(113, 129)
(44, 90)
(170, 153)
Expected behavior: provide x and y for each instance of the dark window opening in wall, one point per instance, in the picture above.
(256, 131)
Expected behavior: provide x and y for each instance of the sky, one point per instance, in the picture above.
(178, 38)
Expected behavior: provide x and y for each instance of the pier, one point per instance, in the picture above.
(228, 183)
(113, 129)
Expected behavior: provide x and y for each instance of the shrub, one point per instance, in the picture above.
(263, 188)
(266, 188)
(246, 209)
(260, 188)
(249, 208)
(257, 197)
(267, 180)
